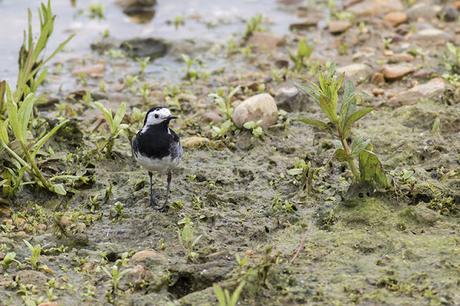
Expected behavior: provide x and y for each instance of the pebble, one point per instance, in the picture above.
(194, 142)
(94, 71)
(148, 256)
(264, 41)
(375, 7)
(397, 71)
(291, 99)
(429, 90)
(378, 78)
(448, 14)
(339, 26)
(357, 72)
(261, 107)
(395, 18)
(423, 11)
(431, 36)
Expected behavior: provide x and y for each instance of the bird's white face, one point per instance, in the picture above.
(157, 116)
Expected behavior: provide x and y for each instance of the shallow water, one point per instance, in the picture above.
(207, 20)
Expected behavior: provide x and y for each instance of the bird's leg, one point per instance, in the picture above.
(152, 195)
(168, 187)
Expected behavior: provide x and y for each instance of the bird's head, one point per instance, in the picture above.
(158, 115)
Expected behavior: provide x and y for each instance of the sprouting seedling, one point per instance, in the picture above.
(9, 258)
(178, 21)
(115, 277)
(190, 72)
(302, 54)
(145, 91)
(143, 63)
(19, 119)
(256, 130)
(225, 298)
(96, 10)
(114, 123)
(223, 101)
(253, 25)
(188, 239)
(340, 121)
(35, 251)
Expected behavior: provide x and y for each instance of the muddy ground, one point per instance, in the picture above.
(316, 243)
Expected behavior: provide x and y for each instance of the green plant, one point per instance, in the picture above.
(224, 297)
(187, 238)
(143, 63)
(340, 121)
(190, 72)
(117, 211)
(451, 63)
(9, 258)
(114, 123)
(115, 277)
(253, 25)
(178, 21)
(301, 56)
(223, 101)
(35, 251)
(96, 10)
(19, 121)
(255, 128)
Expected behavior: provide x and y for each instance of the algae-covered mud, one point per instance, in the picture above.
(264, 206)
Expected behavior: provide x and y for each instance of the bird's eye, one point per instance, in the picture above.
(156, 115)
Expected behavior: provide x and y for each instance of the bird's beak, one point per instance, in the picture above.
(171, 117)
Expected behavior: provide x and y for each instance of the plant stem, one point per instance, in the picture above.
(350, 160)
(35, 171)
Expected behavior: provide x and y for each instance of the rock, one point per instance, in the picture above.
(291, 99)
(304, 25)
(448, 14)
(339, 26)
(261, 107)
(375, 7)
(145, 47)
(135, 276)
(194, 142)
(135, 3)
(422, 11)
(378, 78)
(32, 277)
(263, 41)
(430, 90)
(94, 71)
(401, 57)
(395, 18)
(148, 256)
(212, 116)
(49, 304)
(397, 71)
(357, 72)
(431, 36)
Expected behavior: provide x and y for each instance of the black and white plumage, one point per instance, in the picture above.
(157, 148)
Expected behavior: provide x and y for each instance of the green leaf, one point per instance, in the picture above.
(358, 145)
(341, 155)
(353, 118)
(371, 168)
(316, 123)
(220, 295)
(119, 115)
(58, 189)
(105, 112)
(4, 131)
(329, 107)
(39, 144)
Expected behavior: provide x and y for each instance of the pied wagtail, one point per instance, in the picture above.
(157, 148)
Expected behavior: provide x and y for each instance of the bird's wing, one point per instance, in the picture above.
(175, 148)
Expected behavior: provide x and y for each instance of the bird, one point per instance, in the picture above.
(157, 148)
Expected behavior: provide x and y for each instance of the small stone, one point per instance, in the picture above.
(148, 256)
(423, 11)
(394, 72)
(448, 14)
(357, 72)
(401, 57)
(431, 36)
(290, 99)
(303, 26)
(395, 18)
(135, 3)
(430, 90)
(49, 304)
(212, 116)
(261, 107)
(339, 26)
(378, 78)
(263, 41)
(145, 47)
(94, 71)
(375, 7)
(456, 4)
(378, 92)
(194, 142)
